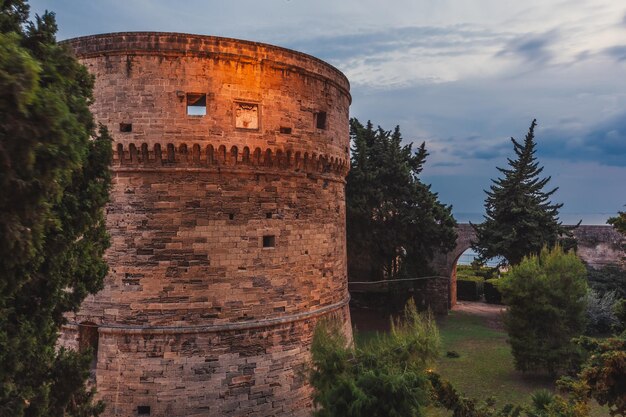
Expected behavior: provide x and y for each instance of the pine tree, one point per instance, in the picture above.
(395, 223)
(546, 299)
(520, 219)
(55, 179)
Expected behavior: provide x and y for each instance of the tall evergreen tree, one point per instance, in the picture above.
(55, 180)
(395, 223)
(520, 219)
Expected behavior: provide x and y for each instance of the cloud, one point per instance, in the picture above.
(531, 47)
(617, 52)
(447, 164)
(604, 143)
(483, 151)
(442, 40)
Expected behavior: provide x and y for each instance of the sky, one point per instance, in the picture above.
(462, 75)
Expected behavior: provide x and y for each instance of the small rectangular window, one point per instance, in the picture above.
(285, 130)
(320, 120)
(196, 104)
(143, 410)
(126, 127)
(269, 241)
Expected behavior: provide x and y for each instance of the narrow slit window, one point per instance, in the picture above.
(285, 130)
(269, 241)
(143, 410)
(126, 127)
(268, 215)
(320, 120)
(196, 104)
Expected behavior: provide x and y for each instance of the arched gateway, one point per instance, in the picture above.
(597, 246)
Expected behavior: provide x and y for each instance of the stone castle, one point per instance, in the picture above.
(227, 222)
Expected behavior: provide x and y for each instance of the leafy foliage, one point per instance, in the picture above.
(395, 223)
(546, 297)
(619, 309)
(601, 318)
(608, 278)
(603, 375)
(386, 377)
(520, 219)
(619, 222)
(55, 176)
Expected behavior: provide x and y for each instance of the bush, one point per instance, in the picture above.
(601, 318)
(492, 291)
(608, 278)
(603, 374)
(620, 314)
(546, 297)
(469, 288)
(386, 377)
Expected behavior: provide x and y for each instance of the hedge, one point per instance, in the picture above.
(469, 288)
(492, 293)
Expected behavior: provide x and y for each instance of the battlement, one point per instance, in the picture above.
(208, 156)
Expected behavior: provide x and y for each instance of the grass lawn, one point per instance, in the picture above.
(485, 366)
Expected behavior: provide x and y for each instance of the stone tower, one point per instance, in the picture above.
(227, 222)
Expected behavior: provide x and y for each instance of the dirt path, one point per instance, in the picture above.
(372, 320)
(491, 312)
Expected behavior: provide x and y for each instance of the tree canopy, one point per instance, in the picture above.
(395, 223)
(54, 173)
(520, 219)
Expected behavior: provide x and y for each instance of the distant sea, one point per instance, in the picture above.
(566, 218)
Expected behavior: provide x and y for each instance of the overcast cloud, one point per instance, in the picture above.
(462, 76)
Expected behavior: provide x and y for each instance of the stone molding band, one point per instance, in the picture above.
(229, 170)
(216, 328)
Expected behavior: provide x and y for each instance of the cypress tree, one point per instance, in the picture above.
(55, 179)
(395, 223)
(520, 219)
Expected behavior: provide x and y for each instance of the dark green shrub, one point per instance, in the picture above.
(469, 288)
(608, 278)
(620, 314)
(492, 293)
(546, 297)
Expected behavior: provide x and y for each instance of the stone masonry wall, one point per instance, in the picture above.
(227, 228)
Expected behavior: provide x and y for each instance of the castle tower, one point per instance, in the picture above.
(227, 223)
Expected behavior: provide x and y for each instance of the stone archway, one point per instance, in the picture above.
(597, 246)
(445, 264)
